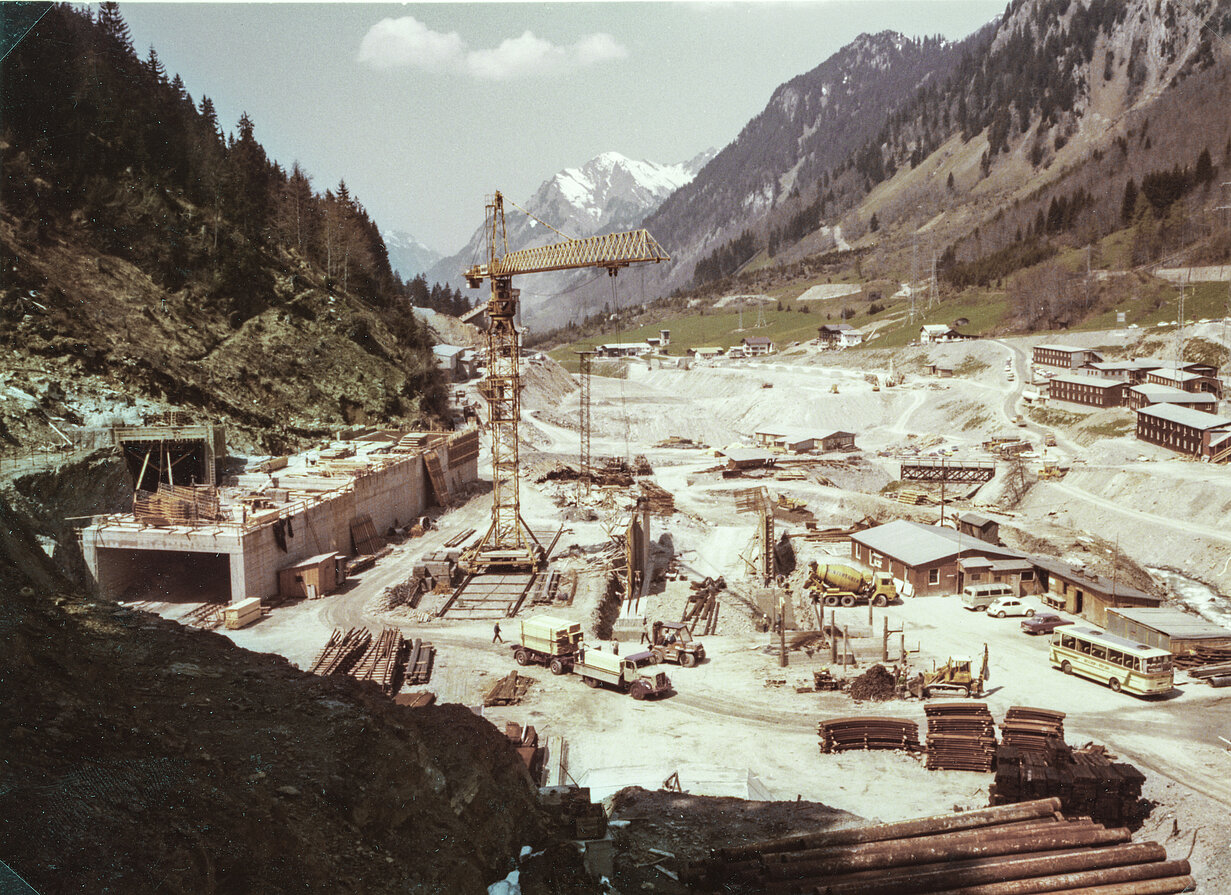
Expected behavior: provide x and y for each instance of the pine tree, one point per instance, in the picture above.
(1128, 206)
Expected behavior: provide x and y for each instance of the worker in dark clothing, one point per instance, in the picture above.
(496, 638)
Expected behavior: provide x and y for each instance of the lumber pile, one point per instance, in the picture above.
(1033, 761)
(415, 700)
(420, 657)
(961, 737)
(846, 734)
(509, 690)
(177, 505)
(341, 652)
(658, 500)
(701, 608)
(913, 496)
(641, 466)
(1214, 675)
(1033, 730)
(1209, 660)
(1021, 848)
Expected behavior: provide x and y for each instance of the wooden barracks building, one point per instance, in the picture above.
(1185, 430)
(1095, 391)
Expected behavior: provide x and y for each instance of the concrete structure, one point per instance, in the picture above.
(1094, 391)
(923, 559)
(939, 332)
(180, 454)
(270, 521)
(1148, 394)
(756, 346)
(1075, 590)
(1183, 429)
(838, 335)
(1178, 632)
(1064, 356)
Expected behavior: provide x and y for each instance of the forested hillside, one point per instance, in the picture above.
(165, 258)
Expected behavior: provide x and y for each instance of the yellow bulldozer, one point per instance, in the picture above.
(956, 677)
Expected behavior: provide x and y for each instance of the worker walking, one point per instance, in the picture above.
(496, 638)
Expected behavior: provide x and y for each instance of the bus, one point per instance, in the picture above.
(1115, 661)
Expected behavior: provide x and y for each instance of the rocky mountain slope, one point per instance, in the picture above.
(407, 255)
(608, 193)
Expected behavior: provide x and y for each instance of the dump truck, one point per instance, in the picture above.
(956, 676)
(623, 673)
(672, 642)
(839, 585)
(547, 640)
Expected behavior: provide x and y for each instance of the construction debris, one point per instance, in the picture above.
(845, 734)
(177, 505)
(961, 737)
(1027, 847)
(658, 501)
(526, 741)
(509, 690)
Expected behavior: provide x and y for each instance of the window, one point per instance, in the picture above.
(933, 576)
(1098, 651)
(1117, 658)
(1028, 575)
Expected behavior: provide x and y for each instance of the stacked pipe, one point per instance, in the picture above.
(843, 734)
(961, 737)
(1009, 850)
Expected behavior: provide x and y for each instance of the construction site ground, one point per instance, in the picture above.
(735, 726)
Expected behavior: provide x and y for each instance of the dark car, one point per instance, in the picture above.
(1043, 623)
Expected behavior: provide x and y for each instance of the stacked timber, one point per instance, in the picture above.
(913, 496)
(1088, 783)
(961, 737)
(1204, 662)
(1034, 730)
(420, 656)
(1006, 850)
(383, 662)
(701, 609)
(657, 500)
(845, 734)
(342, 651)
(509, 690)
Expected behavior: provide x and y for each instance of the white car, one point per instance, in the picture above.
(1009, 606)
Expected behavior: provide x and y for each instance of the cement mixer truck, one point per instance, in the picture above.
(838, 585)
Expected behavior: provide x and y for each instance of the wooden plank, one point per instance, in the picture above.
(437, 477)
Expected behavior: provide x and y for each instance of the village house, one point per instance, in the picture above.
(938, 332)
(756, 346)
(838, 335)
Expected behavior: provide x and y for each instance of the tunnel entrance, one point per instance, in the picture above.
(164, 576)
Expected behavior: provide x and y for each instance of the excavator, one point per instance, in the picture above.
(509, 544)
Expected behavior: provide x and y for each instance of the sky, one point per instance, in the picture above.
(425, 109)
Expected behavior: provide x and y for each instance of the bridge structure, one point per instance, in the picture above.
(946, 471)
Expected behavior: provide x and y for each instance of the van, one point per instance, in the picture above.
(977, 597)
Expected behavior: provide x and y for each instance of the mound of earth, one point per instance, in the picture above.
(875, 684)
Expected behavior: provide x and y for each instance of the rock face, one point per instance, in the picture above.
(140, 756)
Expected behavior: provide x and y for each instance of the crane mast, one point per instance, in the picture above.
(509, 542)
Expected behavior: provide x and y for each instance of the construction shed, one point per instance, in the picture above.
(976, 526)
(1017, 573)
(923, 559)
(312, 577)
(1081, 592)
(1170, 629)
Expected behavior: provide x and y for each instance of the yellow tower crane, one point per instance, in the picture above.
(509, 543)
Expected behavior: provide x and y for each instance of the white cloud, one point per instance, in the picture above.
(407, 42)
(396, 43)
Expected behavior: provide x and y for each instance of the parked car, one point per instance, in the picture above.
(1009, 606)
(1043, 623)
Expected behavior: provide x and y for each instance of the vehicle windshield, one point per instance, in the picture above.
(1156, 664)
(641, 661)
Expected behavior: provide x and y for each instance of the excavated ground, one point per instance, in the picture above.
(140, 756)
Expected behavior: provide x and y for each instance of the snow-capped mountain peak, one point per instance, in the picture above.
(407, 255)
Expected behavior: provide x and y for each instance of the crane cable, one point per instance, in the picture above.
(541, 221)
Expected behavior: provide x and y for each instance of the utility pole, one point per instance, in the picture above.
(584, 481)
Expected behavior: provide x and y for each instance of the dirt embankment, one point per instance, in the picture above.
(143, 757)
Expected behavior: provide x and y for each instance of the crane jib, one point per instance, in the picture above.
(611, 250)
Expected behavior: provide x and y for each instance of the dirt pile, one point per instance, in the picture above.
(875, 684)
(142, 757)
